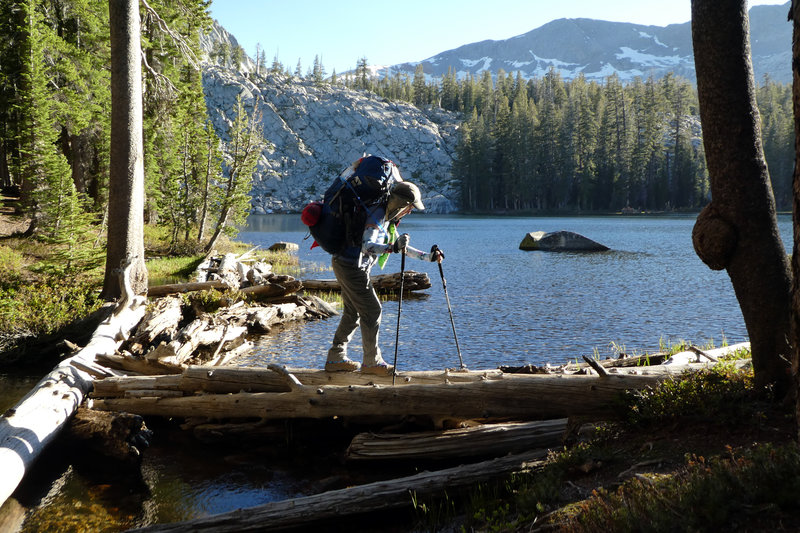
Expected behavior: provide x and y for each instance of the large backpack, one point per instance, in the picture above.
(338, 221)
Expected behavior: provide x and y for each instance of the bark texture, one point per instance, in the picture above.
(738, 230)
(126, 181)
(794, 16)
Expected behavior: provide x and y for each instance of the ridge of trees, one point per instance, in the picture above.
(540, 144)
(552, 144)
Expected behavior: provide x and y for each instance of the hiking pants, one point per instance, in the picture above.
(361, 306)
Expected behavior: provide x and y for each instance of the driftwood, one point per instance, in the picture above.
(28, 427)
(195, 379)
(179, 288)
(649, 363)
(309, 511)
(268, 288)
(412, 281)
(481, 440)
(256, 379)
(161, 320)
(138, 365)
(272, 290)
(198, 333)
(212, 339)
(231, 272)
(577, 395)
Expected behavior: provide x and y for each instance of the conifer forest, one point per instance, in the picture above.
(543, 145)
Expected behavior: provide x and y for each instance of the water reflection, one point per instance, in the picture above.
(516, 307)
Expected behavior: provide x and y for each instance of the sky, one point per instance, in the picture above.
(340, 32)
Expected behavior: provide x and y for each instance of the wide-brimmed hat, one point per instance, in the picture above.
(407, 193)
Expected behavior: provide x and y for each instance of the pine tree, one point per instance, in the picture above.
(318, 71)
(244, 148)
(419, 86)
(58, 211)
(362, 78)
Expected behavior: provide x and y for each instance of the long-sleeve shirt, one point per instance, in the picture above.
(374, 243)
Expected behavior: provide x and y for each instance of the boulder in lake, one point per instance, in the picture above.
(284, 247)
(560, 241)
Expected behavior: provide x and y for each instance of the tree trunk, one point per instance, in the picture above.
(126, 181)
(738, 230)
(794, 16)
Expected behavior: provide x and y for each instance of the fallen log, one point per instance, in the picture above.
(272, 290)
(412, 281)
(308, 511)
(198, 333)
(27, 428)
(639, 362)
(138, 365)
(534, 397)
(257, 379)
(160, 321)
(482, 440)
(180, 288)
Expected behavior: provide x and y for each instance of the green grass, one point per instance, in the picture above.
(747, 487)
(742, 490)
(172, 269)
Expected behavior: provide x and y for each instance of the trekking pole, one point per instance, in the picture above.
(399, 308)
(450, 310)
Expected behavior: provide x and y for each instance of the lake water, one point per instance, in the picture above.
(510, 307)
(513, 307)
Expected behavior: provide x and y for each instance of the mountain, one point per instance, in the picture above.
(598, 49)
(314, 131)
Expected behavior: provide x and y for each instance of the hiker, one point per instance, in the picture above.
(352, 269)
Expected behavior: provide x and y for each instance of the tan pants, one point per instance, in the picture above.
(361, 306)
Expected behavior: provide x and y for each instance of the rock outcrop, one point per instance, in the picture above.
(315, 130)
(560, 241)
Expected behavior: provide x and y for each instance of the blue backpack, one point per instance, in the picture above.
(338, 221)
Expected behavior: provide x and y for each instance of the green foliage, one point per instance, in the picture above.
(210, 301)
(232, 195)
(749, 487)
(42, 307)
(172, 269)
(723, 393)
(550, 144)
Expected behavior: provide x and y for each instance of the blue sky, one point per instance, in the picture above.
(342, 31)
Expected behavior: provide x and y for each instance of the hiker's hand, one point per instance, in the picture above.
(437, 255)
(401, 243)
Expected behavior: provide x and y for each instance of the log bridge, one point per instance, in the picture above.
(149, 372)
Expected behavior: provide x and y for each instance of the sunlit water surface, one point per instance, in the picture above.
(514, 307)
(510, 307)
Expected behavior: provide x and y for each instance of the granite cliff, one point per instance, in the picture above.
(315, 130)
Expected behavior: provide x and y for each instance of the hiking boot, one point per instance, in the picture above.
(380, 369)
(342, 365)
